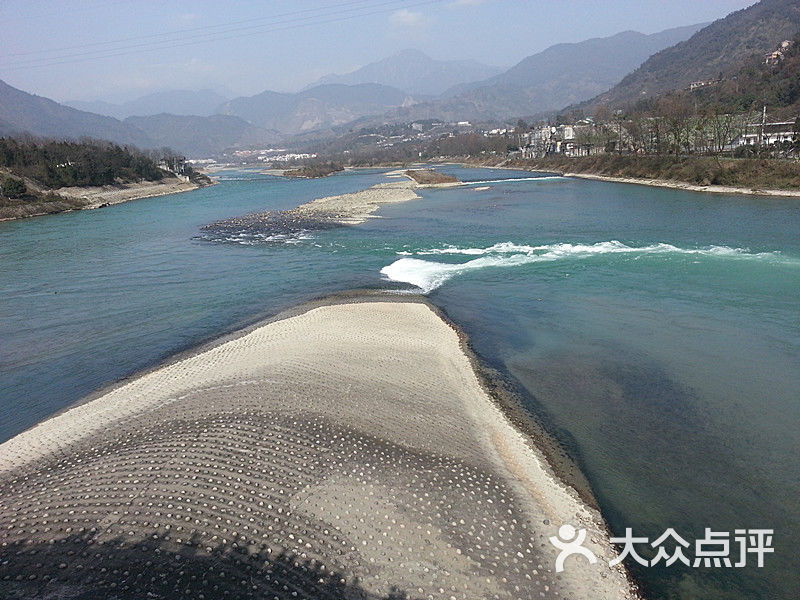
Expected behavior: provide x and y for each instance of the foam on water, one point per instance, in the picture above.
(429, 275)
(256, 239)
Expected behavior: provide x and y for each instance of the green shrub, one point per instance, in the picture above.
(14, 188)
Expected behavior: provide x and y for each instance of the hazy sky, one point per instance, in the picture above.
(119, 49)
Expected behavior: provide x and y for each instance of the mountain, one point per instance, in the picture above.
(757, 83)
(714, 52)
(178, 102)
(22, 112)
(201, 136)
(416, 73)
(319, 107)
(546, 81)
(98, 107)
(6, 129)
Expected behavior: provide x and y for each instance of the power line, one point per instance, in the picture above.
(179, 32)
(169, 43)
(15, 18)
(215, 36)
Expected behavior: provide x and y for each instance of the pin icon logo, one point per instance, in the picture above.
(570, 541)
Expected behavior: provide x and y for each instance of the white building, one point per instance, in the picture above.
(782, 131)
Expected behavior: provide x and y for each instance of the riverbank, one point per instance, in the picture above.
(348, 447)
(697, 174)
(679, 185)
(108, 195)
(90, 198)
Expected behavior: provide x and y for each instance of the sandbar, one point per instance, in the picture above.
(328, 212)
(347, 450)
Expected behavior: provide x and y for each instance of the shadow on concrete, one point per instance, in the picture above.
(80, 567)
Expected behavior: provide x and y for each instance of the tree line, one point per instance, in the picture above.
(707, 118)
(60, 163)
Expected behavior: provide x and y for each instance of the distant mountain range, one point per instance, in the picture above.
(319, 107)
(202, 103)
(713, 52)
(560, 75)
(547, 81)
(416, 73)
(603, 69)
(21, 112)
(201, 136)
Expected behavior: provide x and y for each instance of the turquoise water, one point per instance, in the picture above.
(656, 331)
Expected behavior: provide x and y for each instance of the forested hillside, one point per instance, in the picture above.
(53, 163)
(713, 53)
(757, 83)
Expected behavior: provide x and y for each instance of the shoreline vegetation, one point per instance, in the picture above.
(750, 176)
(314, 171)
(430, 177)
(698, 174)
(41, 177)
(417, 451)
(93, 197)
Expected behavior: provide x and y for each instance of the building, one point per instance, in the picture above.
(773, 58)
(548, 140)
(766, 134)
(698, 84)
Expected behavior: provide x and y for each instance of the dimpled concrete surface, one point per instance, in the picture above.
(347, 452)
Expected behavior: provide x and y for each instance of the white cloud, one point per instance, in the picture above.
(407, 18)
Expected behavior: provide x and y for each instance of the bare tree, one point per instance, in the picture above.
(676, 114)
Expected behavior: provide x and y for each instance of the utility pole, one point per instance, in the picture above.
(763, 127)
